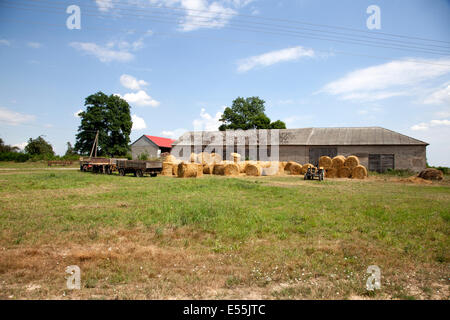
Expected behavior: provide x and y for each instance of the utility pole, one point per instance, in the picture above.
(94, 146)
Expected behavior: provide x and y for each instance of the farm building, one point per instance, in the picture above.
(378, 148)
(151, 145)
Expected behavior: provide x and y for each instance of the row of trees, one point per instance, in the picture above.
(36, 149)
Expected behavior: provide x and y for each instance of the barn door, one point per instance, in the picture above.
(381, 162)
(316, 153)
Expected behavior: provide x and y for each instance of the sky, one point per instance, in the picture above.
(179, 63)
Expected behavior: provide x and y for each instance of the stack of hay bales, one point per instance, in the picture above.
(170, 166)
(167, 168)
(341, 167)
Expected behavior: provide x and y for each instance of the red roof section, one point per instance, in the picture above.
(161, 142)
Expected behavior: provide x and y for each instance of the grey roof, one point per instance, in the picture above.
(314, 137)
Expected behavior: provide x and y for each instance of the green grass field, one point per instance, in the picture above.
(218, 237)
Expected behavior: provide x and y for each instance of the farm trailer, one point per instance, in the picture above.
(139, 167)
(98, 165)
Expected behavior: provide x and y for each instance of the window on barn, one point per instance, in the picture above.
(381, 162)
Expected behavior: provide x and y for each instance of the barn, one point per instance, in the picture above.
(151, 145)
(378, 148)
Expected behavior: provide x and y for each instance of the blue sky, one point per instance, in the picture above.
(178, 66)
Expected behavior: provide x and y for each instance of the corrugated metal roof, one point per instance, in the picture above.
(320, 137)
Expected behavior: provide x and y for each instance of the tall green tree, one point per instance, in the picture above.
(248, 114)
(110, 115)
(38, 147)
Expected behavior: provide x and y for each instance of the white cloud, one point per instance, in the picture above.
(4, 42)
(140, 98)
(131, 82)
(430, 124)
(208, 122)
(203, 13)
(273, 57)
(439, 96)
(34, 45)
(14, 118)
(104, 54)
(138, 123)
(21, 146)
(395, 78)
(174, 134)
(77, 113)
(104, 5)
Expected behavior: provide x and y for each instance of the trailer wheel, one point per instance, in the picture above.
(153, 174)
(121, 172)
(108, 170)
(138, 173)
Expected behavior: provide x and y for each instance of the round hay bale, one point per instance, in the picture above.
(431, 174)
(167, 169)
(187, 170)
(288, 165)
(236, 157)
(253, 170)
(305, 167)
(351, 162)
(359, 172)
(295, 169)
(231, 169)
(344, 172)
(325, 162)
(219, 169)
(208, 169)
(331, 173)
(216, 158)
(337, 162)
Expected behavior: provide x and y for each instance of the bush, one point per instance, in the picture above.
(14, 156)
